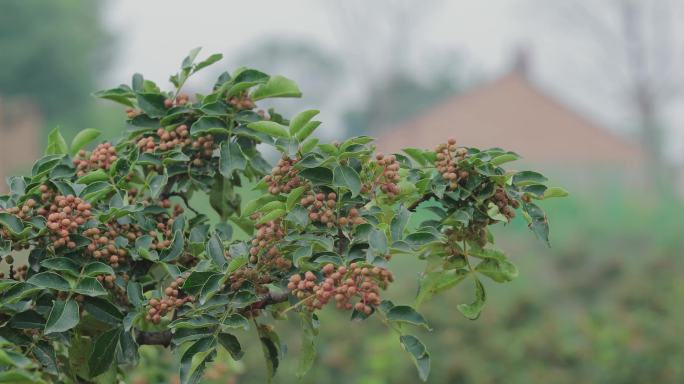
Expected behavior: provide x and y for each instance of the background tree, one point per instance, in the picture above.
(51, 53)
(637, 40)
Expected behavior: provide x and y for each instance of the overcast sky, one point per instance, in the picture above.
(154, 35)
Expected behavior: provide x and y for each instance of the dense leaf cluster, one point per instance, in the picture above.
(118, 257)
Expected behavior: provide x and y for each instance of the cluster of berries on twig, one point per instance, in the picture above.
(505, 204)
(264, 250)
(242, 101)
(448, 156)
(172, 299)
(284, 177)
(101, 157)
(321, 207)
(389, 175)
(65, 216)
(344, 285)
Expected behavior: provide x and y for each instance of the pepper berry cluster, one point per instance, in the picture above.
(264, 249)
(448, 156)
(321, 207)
(101, 157)
(242, 102)
(390, 174)
(244, 275)
(65, 216)
(284, 177)
(164, 140)
(342, 284)
(171, 300)
(505, 204)
(181, 99)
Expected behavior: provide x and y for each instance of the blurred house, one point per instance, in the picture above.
(20, 127)
(515, 114)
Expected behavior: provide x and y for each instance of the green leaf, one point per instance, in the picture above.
(497, 270)
(232, 159)
(439, 281)
(117, 95)
(345, 176)
(309, 144)
(104, 350)
(152, 103)
(56, 144)
(419, 354)
(103, 310)
(49, 280)
(293, 197)
(27, 320)
(298, 122)
(208, 124)
(555, 192)
(378, 241)
(82, 139)
(505, 158)
(207, 62)
(195, 358)
(95, 268)
(11, 222)
(63, 316)
(93, 176)
(193, 284)
(270, 345)
(273, 215)
(232, 345)
(45, 354)
(406, 314)
(472, 310)
(528, 177)
(308, 353)
(318, 175)
(235, 321)
(270, 128)
(307, 130)
(215, 251)
(157, 184)
(61, 264)
(276, 86)
(89, 286)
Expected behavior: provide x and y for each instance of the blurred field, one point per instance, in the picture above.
(603, 305)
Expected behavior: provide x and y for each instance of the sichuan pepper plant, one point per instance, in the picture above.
(118, 257)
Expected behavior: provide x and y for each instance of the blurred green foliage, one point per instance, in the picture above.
(601, 306)
(52, 52)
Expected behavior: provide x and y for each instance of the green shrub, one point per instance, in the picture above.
(119, 258)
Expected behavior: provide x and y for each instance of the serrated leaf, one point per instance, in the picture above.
(555, 192)
(215, 250)
(82, 139)
(406, 314)
(90, 286)
(346, 177)
(276, 86)
(472, 310)
(49, 280)
(232, 159)
(104, 350)
(298, 122)
(270, 128)
(293, 197)
(63, 316)
(419, 354)
(56, 144)
(232, 345)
